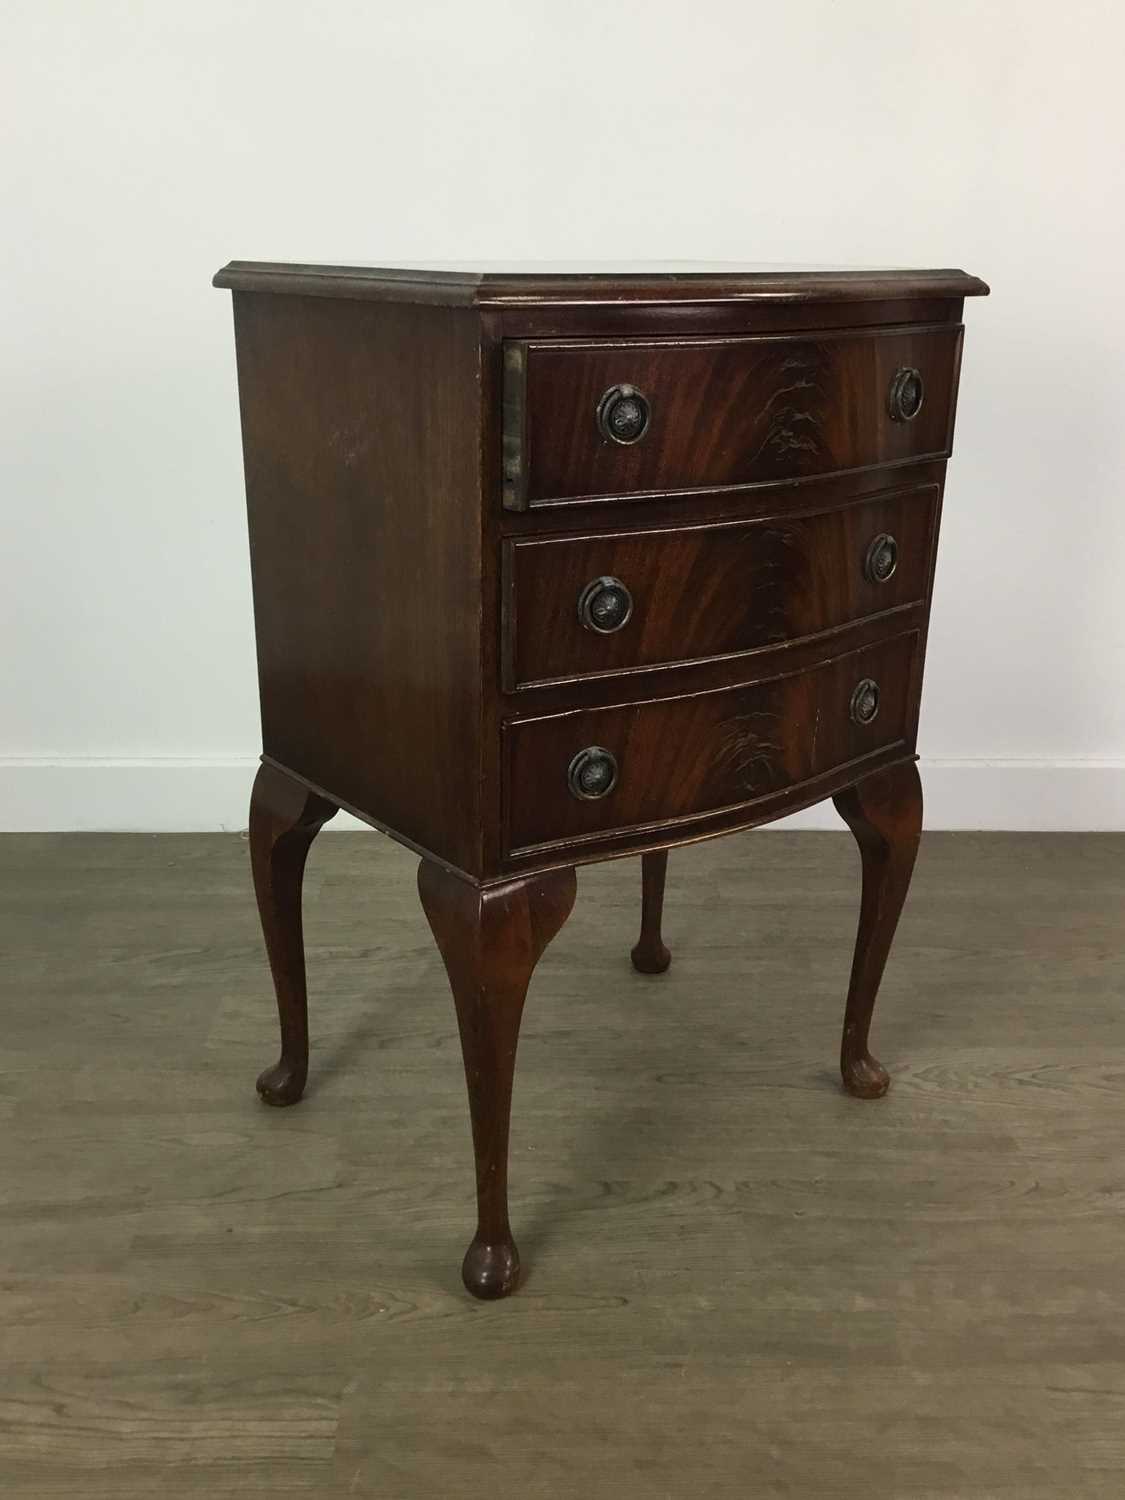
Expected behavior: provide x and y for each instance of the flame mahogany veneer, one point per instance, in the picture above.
(552, 565)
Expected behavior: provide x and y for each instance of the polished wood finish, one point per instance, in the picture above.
(725, 412)
(422, 658)
(710, 591)
(683, 759)
(649, 955)
(285, 817)
(359, 430)
(601, 320)
(884, 812)
(509, 285)
(490, 941)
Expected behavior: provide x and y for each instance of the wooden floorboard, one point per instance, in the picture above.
(739, 1282)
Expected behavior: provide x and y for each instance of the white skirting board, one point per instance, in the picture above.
(196, 796)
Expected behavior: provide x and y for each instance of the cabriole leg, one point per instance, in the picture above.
(285, 817)
(884, 812)
(490, 940)
(650, 955)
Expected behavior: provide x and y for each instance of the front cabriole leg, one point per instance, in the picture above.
(884, 812)
(490, 939)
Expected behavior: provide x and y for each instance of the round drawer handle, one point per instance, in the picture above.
(592, 774)
(882, 559)
(604, 605)
(623, 414)
(907, 394)
(865, 701)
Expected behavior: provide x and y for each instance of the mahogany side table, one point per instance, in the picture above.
(556, 564)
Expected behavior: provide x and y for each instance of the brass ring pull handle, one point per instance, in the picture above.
(604, 605)
(865, 701)
(592, 774)
(882, 559)
(623, 414)
(907, 394)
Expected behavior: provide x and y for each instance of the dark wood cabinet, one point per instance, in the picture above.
(555, 565)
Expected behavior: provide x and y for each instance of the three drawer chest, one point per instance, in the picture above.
(553, 565)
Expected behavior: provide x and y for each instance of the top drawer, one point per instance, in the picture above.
(590, 420)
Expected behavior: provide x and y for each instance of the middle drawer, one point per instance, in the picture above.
(592, 606)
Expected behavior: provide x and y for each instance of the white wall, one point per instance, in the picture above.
(146, 143)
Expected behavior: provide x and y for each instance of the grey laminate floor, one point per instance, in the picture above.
(739, 1282)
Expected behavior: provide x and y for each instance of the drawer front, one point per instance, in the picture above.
(595, 420)
(675, 759)
(620, 601)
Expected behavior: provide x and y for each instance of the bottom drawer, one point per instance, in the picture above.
(593, 772)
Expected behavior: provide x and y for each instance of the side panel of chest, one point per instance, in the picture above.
(361, 436)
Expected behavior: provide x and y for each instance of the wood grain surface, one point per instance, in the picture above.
(360, 436)
(531, 283)
(741, 1282)
(682, 758)
(724, 412)
(700, 592)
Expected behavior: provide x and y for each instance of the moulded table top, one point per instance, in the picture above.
(523, 283)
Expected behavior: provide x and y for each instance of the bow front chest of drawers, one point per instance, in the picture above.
(555, 565)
